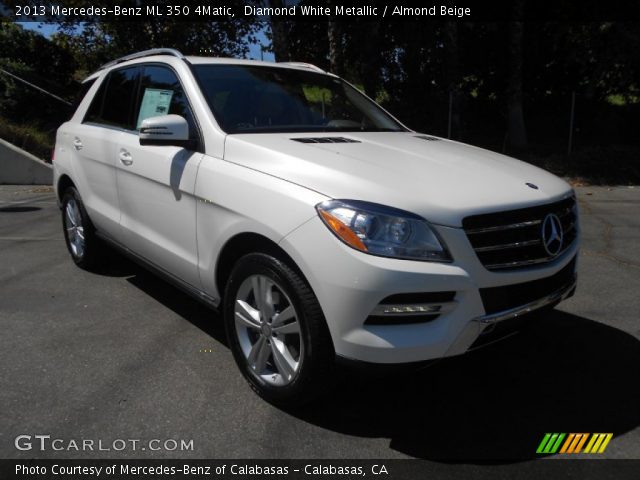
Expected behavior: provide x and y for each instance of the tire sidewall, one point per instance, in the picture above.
(85, 260)
(261, 264)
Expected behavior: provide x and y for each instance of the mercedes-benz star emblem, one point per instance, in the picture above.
(552, 234)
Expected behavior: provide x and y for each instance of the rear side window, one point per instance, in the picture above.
(113, 102)
(94, 112)
(162, 94)
(84, 88)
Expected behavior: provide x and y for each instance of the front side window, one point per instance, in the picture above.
(162, 94)
(257, 99)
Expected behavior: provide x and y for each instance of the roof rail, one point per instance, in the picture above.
(310, 66)
(145, 53)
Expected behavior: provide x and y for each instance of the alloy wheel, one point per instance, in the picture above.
(74, 229)
(268, 330)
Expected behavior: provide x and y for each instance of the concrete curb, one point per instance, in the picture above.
(18, 167)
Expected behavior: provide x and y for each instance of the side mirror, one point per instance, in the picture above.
(165, 130)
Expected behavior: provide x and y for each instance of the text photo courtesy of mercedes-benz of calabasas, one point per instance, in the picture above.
(318, 225)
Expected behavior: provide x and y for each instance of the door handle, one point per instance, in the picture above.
(125, 158)
(77, 144)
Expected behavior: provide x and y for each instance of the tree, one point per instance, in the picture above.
(516, 131)
(98, 41)
(279, 33)
(37, 60)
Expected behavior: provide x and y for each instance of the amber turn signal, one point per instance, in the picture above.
(342, 231)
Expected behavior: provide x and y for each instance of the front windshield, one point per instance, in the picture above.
(257, 99)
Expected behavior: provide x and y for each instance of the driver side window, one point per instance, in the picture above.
(162, 94)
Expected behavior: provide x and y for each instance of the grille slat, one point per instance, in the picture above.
(513, 239)
(504, 246)
(499, 228)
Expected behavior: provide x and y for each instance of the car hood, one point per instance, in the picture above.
(441, 180)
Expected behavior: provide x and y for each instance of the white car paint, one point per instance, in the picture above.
(442, 181)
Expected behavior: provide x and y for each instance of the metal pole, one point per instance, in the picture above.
(571, 119)
(450, 113)
(34, 86)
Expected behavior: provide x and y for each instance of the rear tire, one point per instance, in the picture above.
(79, 233)
(276, 331)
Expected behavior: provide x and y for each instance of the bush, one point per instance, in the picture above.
(28, 137)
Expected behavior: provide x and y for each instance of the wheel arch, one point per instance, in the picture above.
(242, 244)
(64, 182)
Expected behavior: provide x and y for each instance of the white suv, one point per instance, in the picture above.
(318, 224)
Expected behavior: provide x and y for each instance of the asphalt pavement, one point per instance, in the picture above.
(120, 354)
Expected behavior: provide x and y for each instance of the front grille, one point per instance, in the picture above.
(513, 239)
(499, 299)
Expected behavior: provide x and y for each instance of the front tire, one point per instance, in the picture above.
(276, 331)
(79, 233)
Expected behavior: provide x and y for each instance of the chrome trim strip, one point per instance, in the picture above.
(558, 295)
(433, 308)
(504, 246)
(523, 263)
(499, 228)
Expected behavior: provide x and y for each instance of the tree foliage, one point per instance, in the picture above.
(500, 67)
(493, 75)
(97, 41)
(37, 60)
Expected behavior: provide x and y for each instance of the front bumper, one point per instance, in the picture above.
(350, 285)
(468, 338)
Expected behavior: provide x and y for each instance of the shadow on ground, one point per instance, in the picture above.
(116, 265)
(562, 374)
(19, 209)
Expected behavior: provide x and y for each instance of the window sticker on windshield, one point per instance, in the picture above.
(155, 102)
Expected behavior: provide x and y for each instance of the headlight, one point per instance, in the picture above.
(384, 231)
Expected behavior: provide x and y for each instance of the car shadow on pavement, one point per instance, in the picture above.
(201, 316)
(19, 209)
(562, 374)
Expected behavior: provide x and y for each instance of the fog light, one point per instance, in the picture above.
(404, 309)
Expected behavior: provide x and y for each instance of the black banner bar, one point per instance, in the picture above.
(583, 469)
(321, 10)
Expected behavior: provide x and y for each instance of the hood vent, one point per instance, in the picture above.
(427, 137)
(325, 140)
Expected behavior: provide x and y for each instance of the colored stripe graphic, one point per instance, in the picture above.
(567, 443)
(598, 442)
(550, 443)
(574, 442)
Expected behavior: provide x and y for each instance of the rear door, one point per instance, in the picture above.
(156, 183)
(93, 142)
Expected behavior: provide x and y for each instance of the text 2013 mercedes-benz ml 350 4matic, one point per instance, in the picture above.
(316, 223)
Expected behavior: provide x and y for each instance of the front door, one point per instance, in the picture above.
(156, 183)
